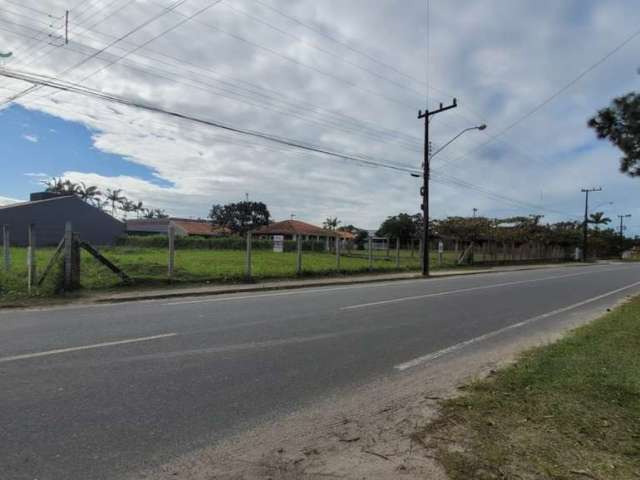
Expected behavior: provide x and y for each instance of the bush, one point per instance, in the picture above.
(216, 243)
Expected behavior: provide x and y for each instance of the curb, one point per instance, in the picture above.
(310, 284)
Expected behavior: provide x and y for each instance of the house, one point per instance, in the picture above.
(292, 229)
(48, 212)
(184, 227)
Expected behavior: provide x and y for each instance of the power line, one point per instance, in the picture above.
(90, 57)
(555, 95)
(74, 88)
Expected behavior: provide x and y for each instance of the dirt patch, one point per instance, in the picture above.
(368, 433)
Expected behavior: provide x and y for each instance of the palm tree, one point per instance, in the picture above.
(138, 208)
(331, 223)
(89, 194)
(114, 196)
(598, 218)
(147, 213)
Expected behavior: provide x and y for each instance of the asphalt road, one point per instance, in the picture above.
(96, 392)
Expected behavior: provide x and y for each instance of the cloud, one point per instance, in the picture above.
(30, 137)
(499, 58)
(8, 201)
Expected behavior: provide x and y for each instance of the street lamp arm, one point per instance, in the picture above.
(479, 127)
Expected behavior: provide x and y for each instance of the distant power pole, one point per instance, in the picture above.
(426, 173)
(622, 217)
(475, 212)
(585, 227)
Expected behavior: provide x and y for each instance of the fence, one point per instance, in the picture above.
(169, 258)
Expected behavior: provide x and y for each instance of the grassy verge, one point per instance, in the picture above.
(570, 410)
(148, 267)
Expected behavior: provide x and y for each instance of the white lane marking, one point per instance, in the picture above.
(462, 290)
(84, 347)
(432, 356)
(302, 291)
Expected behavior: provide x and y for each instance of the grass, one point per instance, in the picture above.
(148, 267)
(570, 410)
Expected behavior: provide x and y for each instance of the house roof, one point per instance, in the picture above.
(293, 227)
(38, 202)
(198, 227)
(188, 226)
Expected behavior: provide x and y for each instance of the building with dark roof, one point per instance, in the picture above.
(49, 212)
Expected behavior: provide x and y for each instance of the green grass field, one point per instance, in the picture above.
(570, 410)
(148, 267)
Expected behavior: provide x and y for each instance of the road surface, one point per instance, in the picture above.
(97, 392)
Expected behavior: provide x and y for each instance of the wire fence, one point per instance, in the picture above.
(168, 258)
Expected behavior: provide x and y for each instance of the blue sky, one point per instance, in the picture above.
(356, 91)
(38, 145)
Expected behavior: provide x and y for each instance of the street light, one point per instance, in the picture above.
(479, 127)
(424, 191)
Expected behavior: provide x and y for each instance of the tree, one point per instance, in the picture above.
(620, 124)
(331, 223)
(402, 226)
(88, 193)
(114, 197)
(598, 218)
(240, 217)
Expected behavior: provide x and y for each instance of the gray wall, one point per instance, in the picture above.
(49, 217)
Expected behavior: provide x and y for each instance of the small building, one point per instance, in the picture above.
(292, 229)
(184, 227)
(48, 213)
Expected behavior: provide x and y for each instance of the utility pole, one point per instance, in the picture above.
(475, 212)
(622, 217)
(426, 172)
(585, 227)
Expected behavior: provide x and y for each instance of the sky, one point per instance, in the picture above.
(345, 76)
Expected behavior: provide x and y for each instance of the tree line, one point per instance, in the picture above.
(113, 200)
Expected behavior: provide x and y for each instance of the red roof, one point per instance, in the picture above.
(195, 227)
(293, 227)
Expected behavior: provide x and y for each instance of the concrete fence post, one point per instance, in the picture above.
(6, 248)
(247, 259)
(68, 261)
(299, 256)
(171, 233)
(397, 252)
(370, 248)
(31, 258)
(337, 251)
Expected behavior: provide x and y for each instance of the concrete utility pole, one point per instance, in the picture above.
(585, 227)
(426, 172)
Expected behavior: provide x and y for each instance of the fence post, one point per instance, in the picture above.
(337, 251)
(370, 247)
(299, 256)
(68, 240)
(31, 258)
(398, 252)
(171, 232)
(6, 248)
(247, 263)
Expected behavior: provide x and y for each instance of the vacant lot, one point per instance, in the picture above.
(148, 266)
(566, 411)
